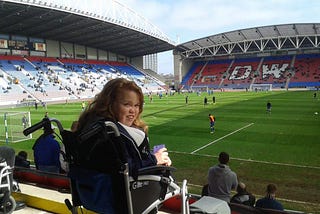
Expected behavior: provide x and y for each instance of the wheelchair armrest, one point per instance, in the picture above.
(155, 170)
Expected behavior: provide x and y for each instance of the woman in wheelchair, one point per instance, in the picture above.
(110, 162)
(111, 166)
(121, 101)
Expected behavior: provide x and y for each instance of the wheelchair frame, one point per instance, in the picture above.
(7, 202)
(163, 182)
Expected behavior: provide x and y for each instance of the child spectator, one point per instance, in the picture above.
(269, 201)
(22, 160)
(243, 196)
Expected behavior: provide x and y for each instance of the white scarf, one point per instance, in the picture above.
(137, 134)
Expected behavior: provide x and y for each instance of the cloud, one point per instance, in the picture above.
(194, 19)
(190, 20)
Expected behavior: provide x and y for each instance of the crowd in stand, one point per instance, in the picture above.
(277, 71)
(40, 79)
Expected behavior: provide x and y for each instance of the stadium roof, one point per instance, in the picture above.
(254, 40)
(102, 24)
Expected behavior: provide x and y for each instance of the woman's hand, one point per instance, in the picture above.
(163, 157)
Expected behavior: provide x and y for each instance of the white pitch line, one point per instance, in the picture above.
(253, 161)
(221, 138)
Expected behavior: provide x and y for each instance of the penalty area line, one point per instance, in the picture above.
(221, 138)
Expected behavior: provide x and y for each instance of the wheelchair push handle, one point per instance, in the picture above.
(45, 121)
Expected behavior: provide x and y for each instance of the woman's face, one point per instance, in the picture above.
(127, 107)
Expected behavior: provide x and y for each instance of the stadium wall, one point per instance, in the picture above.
(80, 51)
(53, 49)
(70, 50)
(137, 61)
(181, 67)
(92, 53)
(66, 50)
(59, 49)
(103, 55)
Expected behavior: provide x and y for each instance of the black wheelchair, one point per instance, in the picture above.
(110, 189)
(107, 187)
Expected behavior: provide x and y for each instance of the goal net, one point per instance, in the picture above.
(261, 87)
(12, 125)
(199, 88)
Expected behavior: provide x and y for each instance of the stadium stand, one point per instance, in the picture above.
(284, 72)
(306, 71)
(274, 71)
(53, 79)
(241, 73)
(192, 73)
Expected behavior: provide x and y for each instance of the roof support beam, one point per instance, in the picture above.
(251, 46)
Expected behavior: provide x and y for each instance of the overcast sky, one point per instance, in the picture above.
(185, 20)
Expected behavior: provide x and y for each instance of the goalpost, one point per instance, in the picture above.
(200, 88)
(12, 125)
(261, 87)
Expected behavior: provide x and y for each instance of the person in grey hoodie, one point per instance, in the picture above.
(221, 179)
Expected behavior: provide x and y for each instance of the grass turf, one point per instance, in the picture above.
(281, 148)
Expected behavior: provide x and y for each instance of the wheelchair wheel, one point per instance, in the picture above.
(9, 206)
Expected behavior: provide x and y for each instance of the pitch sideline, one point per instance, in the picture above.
(253, 161)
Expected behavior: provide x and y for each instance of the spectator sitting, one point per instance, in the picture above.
(243, 196)
(269, 201)
(122, 101)
(46, 151)
(21, 160)
(221, 179)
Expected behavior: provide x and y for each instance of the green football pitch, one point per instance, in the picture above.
(281, 148)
